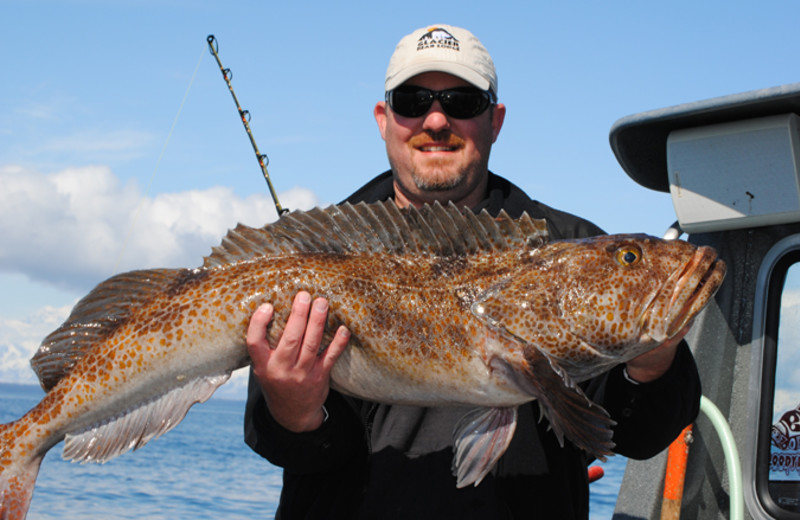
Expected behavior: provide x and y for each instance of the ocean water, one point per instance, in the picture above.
(200, 470)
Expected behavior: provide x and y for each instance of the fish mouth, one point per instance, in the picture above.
(696, 284)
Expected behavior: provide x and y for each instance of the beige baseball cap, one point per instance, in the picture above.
(442, 48)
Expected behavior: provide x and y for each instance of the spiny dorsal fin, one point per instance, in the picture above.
(95, 317)
(380, 227)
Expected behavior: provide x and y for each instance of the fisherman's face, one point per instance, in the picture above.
(435, 156)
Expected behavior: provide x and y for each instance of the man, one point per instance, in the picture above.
(346, 458)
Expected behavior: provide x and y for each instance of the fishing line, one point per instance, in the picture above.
(158, 163)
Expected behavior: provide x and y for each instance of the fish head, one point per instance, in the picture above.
(621, 292)
(593, 303)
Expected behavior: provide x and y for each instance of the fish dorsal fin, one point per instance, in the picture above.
(132, 429)
(95, 317)
(380, 227)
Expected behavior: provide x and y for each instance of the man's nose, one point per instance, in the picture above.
(436, 120)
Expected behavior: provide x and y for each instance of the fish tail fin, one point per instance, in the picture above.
(17, 474)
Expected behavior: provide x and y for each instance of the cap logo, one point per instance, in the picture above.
(437, 38)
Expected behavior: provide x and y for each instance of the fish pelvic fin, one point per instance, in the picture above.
(481, 438)
(96, 316)
(133, 429)
(17, 475)
(380, 227)
(571, 414)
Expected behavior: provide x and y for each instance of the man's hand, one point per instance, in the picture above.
(654, 364)
(295, 375)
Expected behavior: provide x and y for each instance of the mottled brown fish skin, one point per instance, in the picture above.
(414, 335)
(589, 304)
(594, 303)
(444, 308)
(415, 338)
(204, 315)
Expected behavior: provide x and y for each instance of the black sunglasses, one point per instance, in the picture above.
(459, 102)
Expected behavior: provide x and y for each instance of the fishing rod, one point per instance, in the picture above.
(263, 160)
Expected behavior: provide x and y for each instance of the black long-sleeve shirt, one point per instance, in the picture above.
(371, 460)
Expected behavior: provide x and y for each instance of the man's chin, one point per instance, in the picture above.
(437, 181)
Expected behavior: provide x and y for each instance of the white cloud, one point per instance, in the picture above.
(76, 227)
(19, 339)
(236, 387)
(784, 401)
(787, 377)
(79, 226)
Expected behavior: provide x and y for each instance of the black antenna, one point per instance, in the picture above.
(263, 160)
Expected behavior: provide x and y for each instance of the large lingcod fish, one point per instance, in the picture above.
(446, 308)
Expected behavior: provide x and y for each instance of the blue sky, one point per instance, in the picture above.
(91, 185)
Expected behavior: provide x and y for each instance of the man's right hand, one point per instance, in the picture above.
(295, 376)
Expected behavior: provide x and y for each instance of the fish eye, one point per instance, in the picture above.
(628, 256)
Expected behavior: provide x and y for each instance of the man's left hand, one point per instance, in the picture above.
(654, 364)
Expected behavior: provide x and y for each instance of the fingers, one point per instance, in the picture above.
(314, 331)
(335, 349)
(295, 328)
(301, 343)
(295, 375)
(256, 337)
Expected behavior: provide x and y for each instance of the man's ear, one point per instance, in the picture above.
(498, 116)
(380, 117)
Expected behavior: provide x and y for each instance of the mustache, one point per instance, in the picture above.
(439, 138)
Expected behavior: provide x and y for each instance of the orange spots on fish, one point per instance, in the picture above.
(566, 299)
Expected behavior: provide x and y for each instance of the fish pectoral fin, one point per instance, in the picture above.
(481, 438)
(571, 414)
(134, 428)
